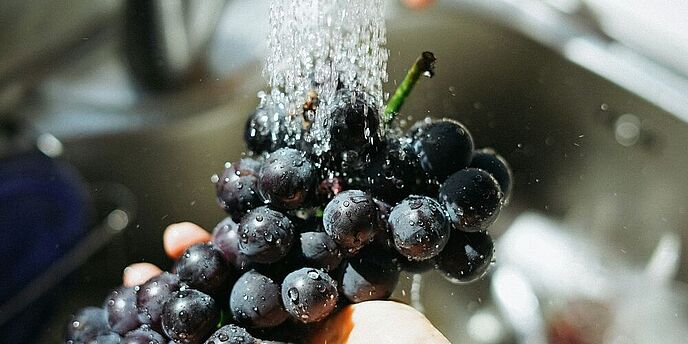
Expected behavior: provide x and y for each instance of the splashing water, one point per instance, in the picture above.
(318, 46)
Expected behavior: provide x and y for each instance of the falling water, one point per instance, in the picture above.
(318, 46)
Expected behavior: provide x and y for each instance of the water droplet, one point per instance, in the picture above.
(312, 274)
(293, 294)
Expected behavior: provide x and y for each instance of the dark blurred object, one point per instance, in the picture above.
(44, 211)
(165, 40)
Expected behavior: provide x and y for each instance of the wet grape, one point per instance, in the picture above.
(237, 187)
(256, 301)
(203, 267)
(466, 257)
(371, 275)
(265, 235)
(472, 199)
(190, 316)
(309, 294)
(318, 250)
(226, 238)
(354, 125)
(86, 324)
(419, 227)
(259, 133)
(287, 178)
(394, 172)
(120, 307)
(488, 160)
(151, 298)
(443, 146)
(352, 219)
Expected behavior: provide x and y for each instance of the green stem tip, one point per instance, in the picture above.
(424, 65)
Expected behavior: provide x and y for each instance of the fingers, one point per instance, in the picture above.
(139, 273)
(179, 236)
(378, 322)
(417, 4)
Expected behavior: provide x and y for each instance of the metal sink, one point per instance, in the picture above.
(584, 149)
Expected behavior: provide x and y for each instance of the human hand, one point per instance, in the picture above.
(366, 322)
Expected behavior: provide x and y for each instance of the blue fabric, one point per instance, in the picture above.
(43, 213)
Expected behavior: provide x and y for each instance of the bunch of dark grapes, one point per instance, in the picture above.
(307, 234)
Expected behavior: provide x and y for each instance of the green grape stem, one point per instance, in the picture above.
(424, 65)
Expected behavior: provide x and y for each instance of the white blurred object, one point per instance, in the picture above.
(552, 259)
(517, 301)
(542, 267)
(665, 261)
(656, 28)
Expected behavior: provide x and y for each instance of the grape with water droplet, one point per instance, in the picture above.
(472, 198)
(265, 235)
(190, 316)
(466, 257)
(309, 294)
(256, 301)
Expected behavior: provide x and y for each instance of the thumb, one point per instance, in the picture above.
(378, 322)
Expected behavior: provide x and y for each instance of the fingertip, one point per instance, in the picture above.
(179, 236)
(417, 4)
(139, 273)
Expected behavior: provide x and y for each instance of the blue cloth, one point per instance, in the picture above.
(44, 211)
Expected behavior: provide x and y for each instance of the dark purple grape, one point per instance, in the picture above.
(287, 178)
(466, 257)
(237, 188)
(203, 267)
(266, 235)
(256, 301)
(353, 126)
(120, 307)
(190, 316)
(488, 160)
(352, 219)
(419, 227)
(109, 338)
(143, 335)
(309, 294)
(151, 298)
(371, 275)
(318, 250)
(86, 324)
(264, 131)
(226, 238)
(443, 146)
(394, 172)
(472, 198)
(232, 334)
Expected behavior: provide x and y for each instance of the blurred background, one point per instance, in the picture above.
(114, 115)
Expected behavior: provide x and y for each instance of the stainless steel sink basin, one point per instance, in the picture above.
(584, 149)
